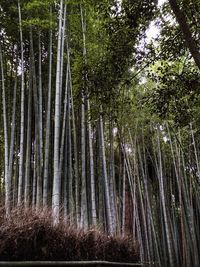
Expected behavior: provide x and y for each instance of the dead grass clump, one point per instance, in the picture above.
(30, 236)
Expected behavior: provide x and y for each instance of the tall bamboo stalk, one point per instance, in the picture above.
(21, 159)
(27, 185)
(106, 181)
(6, 148)
(56, 177)
(48, 121)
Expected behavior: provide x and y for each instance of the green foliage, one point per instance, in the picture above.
(175, 94)
(172, 80)
(111, 40)
(38, 14)
(38, 5)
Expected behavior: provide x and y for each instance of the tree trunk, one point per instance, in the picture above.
(191, 43)
(12, 143)
(21, 159)
(7, 182)
(65, 115)
(112, 178)
(62, 51)
(84, 208)
(76, 173)
(163, 203)
(92, 179)
(40, 104)
(56, 177)
(106, 181)
(37, 127)
(48, 121)
(28, 148)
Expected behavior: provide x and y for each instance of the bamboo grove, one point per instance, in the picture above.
(72, 140)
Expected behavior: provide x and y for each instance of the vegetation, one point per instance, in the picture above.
(30, 236)
(101, 126)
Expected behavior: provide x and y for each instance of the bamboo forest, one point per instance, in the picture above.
(100, 127)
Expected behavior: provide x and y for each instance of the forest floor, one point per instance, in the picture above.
(31, 236)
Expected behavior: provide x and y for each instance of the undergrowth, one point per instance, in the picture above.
(31, 236)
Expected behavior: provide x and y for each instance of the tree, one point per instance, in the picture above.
(56, 179)
(191, 44)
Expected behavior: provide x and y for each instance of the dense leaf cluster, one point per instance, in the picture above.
(176, 95)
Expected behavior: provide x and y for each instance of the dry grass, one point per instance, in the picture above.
(31, 236)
